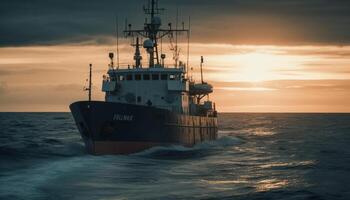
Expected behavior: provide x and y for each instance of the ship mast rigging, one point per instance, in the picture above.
(153, 33)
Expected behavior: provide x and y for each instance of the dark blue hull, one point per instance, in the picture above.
(116, 128)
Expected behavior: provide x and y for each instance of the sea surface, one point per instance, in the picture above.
(257, 156)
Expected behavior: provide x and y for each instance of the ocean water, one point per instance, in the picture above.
(257, 156)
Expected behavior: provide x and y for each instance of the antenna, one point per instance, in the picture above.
(117, 35)
(152, 8)
(202, 60)
(188, 44)
(161, 45)
(125, 28)
(153, 34)
(177, 20)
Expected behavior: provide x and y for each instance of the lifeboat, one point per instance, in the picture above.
(200, 88)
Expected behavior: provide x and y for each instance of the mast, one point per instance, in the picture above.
(152, 11)
(90, 83)
(153, 35)
(117, 35)
(153, 32)
(176, 51)
(188, 45)
(137, 56)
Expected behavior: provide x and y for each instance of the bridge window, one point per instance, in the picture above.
(146, 77)
(129, 77)
(164, 77)
(137, 77)
(155, 76)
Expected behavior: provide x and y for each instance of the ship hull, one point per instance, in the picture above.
(118, 128)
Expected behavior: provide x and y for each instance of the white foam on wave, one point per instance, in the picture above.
(229, 132)
(259, 131)
(221, 142)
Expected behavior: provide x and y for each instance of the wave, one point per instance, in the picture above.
(26, 183)
(199, 150)
(31, 150)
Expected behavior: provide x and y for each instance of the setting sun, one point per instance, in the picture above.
(256, 66)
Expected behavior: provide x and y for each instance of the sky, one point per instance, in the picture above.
(260, 55)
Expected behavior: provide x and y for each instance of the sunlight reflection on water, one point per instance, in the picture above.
(270, 184)
(259, 131)
(288, 164)
(220, 182)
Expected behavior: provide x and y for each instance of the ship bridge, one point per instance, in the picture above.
(160, 87)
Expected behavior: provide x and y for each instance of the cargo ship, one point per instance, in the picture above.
(151, 105)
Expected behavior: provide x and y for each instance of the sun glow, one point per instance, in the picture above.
(256, 66)
(245, 78)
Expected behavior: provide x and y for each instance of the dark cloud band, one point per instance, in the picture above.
(287, 22)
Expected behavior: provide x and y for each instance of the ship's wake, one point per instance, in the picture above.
(199, 150)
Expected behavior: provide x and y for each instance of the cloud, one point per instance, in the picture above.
(284, 85)
(50, 78)
(283, 95)
(278, 22)
(34, 71)
(3, 87)
(41, 98)
(7, 72)
(257, 89)
(47, 95)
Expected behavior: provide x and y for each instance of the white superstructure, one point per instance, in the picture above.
(156, 85)
(160, 87)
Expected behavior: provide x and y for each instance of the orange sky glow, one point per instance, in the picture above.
(246, 78)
